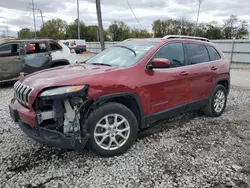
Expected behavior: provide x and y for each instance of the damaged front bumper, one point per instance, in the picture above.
(53, 138)
(58, 121)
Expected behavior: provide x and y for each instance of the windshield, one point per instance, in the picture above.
(124, 54)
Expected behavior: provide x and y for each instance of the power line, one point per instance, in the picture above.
(134, 14)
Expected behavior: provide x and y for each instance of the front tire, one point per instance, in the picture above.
(113, 129)
(217, 102)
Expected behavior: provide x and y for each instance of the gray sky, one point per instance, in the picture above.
(16, 14)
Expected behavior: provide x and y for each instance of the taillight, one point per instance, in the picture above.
(72, 51)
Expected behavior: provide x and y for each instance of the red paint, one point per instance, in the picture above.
(161, 63)
(156, 89)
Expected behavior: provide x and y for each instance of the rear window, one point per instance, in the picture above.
(10, 49)
(214, 54)
(197, 53)
(55, 46)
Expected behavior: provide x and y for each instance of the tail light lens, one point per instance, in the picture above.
(72, 51)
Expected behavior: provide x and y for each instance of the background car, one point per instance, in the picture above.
(28, 56)
(79, 46)
(68, 53)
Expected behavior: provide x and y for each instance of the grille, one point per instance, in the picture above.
(22, 92)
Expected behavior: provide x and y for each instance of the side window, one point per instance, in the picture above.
(9, 50)
(174, 53)
(214, 55)
(54, 46)
(32, 48)
(197, 53)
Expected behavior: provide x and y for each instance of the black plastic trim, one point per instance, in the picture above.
(57, 61)
(223, 79)
(125, 94)
(53, 138)
(175, 111)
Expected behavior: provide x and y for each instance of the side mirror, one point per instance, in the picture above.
(159, 63)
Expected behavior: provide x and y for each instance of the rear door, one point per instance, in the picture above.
(38, 58)
(201, 70)
(11, 63)
(56, 51)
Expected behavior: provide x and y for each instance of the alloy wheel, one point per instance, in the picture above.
(112, 131)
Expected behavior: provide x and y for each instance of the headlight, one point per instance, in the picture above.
(61, 90)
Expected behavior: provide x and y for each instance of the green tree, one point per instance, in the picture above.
(161, 28)
(157, 28)
(25, 33)
(72, 30)
(213, 32)
(137, 33)
(91, 33)
(55, 28)
(118, 31)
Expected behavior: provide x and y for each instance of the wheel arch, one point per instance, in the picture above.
(128, 99)
(224, 82)
(58, 62)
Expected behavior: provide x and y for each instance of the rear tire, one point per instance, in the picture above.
(113, 129)
(217, 102)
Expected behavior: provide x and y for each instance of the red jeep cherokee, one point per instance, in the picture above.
(104, 102)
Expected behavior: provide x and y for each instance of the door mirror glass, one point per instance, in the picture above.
(159, 63)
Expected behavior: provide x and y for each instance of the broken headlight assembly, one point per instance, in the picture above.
(64, 90)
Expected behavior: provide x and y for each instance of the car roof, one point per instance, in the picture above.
(163, 40)
(25, 40)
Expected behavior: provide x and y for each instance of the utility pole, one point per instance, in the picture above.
(42, 16)
(33, 9)
(100, 26)
(7, 30)
(198, 14)
(78, 20)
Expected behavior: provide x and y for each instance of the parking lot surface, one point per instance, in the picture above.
(191, 150)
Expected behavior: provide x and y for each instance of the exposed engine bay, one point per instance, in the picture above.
(64, 113)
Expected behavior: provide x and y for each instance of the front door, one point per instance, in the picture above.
(36, 58)
(167, 87)
(11, 63)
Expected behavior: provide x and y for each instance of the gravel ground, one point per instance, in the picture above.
(191, 150)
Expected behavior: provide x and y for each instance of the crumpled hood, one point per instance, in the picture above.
(65, 75)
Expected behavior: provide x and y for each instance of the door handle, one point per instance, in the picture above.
(184, 73)
(214, 68)
(18, 58)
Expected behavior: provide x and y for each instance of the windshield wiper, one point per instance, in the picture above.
(100, 64)
(126, 48)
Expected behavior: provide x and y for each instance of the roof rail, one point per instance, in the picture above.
(185, 37)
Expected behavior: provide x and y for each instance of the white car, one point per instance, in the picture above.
(78, 45)
(66, 52)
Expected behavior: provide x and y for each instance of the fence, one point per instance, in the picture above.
(238, 51)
